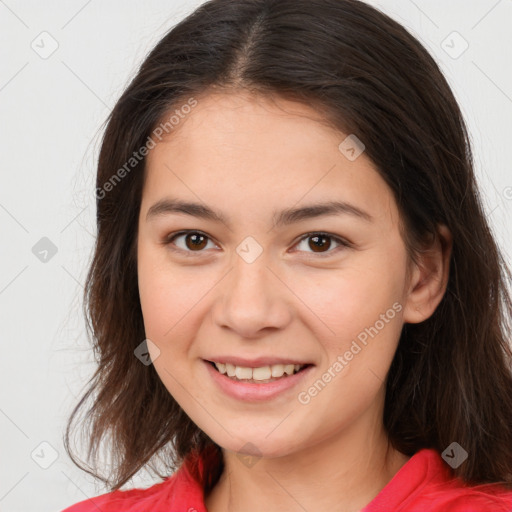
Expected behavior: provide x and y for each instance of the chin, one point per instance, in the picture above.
(256, 445)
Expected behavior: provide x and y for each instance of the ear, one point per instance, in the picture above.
(429, 278)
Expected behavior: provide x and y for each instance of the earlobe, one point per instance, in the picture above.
(429, 278)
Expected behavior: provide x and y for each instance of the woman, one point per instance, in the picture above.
(295, 296)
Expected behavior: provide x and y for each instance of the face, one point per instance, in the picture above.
(258, 286)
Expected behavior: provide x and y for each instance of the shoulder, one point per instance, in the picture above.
(178, 492)
(458, 496)
(426, 482)
(125, 500)
(462, 498)
(441, 491)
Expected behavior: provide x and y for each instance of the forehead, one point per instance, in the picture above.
(262, 150)
(224, 119)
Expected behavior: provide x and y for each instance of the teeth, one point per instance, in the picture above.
(289, 368)
(277, 370)
(261, 373)
(230, 369)
(243, 373)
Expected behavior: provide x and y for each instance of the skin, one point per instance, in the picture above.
(248, 156)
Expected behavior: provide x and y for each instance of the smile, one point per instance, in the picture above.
(257, 379)
(261, 374)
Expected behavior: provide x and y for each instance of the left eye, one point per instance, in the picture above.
(320, 241)
(195, 241)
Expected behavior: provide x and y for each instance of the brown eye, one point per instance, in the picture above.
(193, 241)
(320, 243)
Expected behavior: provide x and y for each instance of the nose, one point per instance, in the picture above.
(252, 299)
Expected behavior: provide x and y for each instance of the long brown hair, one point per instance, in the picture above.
(450, 379)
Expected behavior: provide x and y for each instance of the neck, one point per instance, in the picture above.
(344, 472)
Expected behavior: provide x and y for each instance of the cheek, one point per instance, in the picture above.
(349, 300)
(166, 313)
(172, 301)
(161, 290)
(157, 305)
(159, 301)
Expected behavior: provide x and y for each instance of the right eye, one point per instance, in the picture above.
(193, 241)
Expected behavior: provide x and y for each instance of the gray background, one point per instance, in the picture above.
(51, 110)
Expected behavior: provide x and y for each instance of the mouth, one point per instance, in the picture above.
(258, 375)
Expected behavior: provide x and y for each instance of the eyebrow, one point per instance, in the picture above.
(283, 218)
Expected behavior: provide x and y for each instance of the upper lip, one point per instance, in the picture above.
(256, 362)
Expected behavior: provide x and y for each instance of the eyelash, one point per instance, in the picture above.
(168, 241)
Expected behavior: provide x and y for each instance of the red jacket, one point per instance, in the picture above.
(423, 484)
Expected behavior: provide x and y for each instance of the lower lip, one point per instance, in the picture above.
(253, 392)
